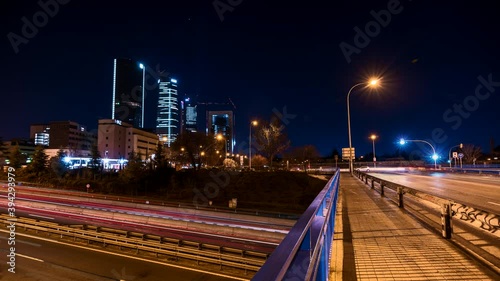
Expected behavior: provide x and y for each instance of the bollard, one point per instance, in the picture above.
(373, 184)
(381, 188)
(400, 197)
(446, 220)
(366, 179)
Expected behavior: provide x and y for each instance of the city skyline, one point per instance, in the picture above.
(297, 61)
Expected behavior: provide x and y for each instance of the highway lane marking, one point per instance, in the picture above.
(494, 203)
(28, 257)
(126, 256)
(41, 216)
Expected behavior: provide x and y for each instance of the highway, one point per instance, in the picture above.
(39, 259)
(480, 191)
(205, 226)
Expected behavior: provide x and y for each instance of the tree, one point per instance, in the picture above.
(39, 164)
(189, 146)
(259, 161)
(16, 158)
(229, 163)
(271, 139)
(335, 152)
(471, 153)
(58, 165)
(304, 154)
(160, 156)
(95, 160)
(3, 151)
(134, 169)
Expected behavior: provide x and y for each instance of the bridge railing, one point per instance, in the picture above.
(304, 254)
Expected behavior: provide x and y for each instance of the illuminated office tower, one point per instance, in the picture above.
(167, 120)
(128, 92)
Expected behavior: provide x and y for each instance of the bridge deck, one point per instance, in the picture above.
(375, 240)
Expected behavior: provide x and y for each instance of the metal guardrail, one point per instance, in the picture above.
(200, 252)
(488, 221)
(148, 201)
(472, 216)
(474, 170)
(304, 254)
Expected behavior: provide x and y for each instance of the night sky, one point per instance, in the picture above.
(267, 56)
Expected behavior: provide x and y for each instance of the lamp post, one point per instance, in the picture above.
(449, 152)
(373, 138)
(371, 83)
(253, 123)
(218, 137)
(143, 81)
(434, 155)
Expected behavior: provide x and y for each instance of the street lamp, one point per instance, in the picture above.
(253, 123)
(434, 155)
(449, 153)
(371, 83)
(373, 138)
(143, 81)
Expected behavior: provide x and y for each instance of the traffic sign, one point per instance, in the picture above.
(345, 153)
(460, 155)
(455, 154)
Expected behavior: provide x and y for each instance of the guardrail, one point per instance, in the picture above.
(487, 221)
(474, 170)
(176, 248)
(148, 201)
(472, 216)
(304, 254)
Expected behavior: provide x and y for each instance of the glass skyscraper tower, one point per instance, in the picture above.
(167, 120)
(128, 92)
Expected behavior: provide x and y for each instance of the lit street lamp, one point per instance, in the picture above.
(218, 137)
(253, 123)
(373, 138)
(371, 83)
(434, 155)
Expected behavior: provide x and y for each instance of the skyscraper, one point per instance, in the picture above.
(128, 92)
(167, 120)
(222, 122)
(189, 115)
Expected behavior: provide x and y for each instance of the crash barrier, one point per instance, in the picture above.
(449, 208)
(449, 211)
(26, 187)
(474, 170)
(158, 245)
(304, 254)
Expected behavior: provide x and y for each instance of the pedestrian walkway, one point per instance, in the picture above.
(376, 240)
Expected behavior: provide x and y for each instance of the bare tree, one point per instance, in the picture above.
(272, 139)
(471, 152)
(190, 146)
(304, 154)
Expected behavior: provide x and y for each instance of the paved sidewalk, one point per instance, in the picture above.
(375, 240)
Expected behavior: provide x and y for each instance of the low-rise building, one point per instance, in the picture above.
(117, 140)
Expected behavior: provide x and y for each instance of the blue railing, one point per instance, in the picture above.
(304, 254)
